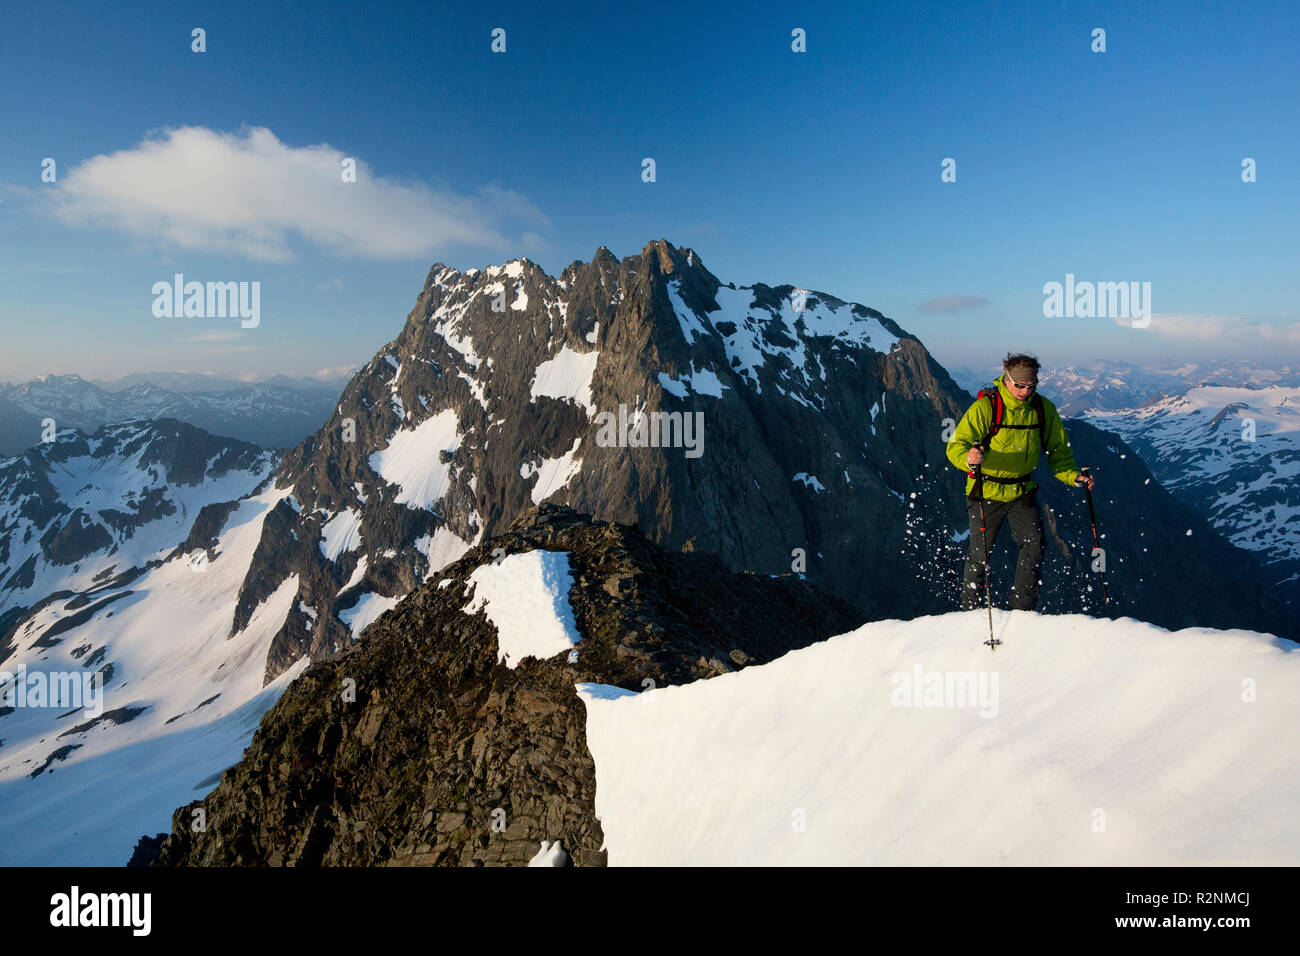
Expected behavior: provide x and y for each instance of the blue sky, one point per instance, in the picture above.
(820, 169)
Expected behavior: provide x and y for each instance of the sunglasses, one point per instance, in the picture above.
(1014, 384)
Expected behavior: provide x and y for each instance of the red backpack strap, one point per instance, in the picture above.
(995, 399)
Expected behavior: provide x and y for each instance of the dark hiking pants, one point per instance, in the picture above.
(1027, 532)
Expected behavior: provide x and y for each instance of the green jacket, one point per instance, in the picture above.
(1014, 451)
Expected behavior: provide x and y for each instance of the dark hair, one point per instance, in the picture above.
(1020, 360)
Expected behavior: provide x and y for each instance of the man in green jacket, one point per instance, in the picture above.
(1003, 458)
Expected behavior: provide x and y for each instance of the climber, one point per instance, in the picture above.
(997, 443)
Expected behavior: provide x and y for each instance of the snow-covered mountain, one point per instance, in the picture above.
(179, 698)
(815, 447)
(1234, 455)
(121, 553)
(198, 382)
(276, 414)
(172, 382)
(1114, 385)
(84, 510)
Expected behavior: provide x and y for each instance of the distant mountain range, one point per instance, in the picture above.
(277, 413)
(196, 382)
(1113, 385)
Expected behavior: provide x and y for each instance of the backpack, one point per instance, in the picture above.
(999, 411)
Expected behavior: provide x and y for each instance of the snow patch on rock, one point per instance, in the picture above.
(526, 597)
(413, 461)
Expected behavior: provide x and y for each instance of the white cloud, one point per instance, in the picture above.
(1226, 329)
(247, 194)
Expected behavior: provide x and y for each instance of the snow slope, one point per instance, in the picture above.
(200, 686)
(109, 491)
(1234, 455)
(1099, 742)
(567, 376)
(369, 608)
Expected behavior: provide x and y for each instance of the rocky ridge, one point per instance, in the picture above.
(442, 741)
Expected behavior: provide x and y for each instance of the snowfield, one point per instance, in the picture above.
(552, 473)
(1080, 741)
(368, 609)
(340, 534)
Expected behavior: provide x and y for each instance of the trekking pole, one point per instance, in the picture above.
(992, 642)
(1096, 543)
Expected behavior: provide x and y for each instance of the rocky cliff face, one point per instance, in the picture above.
(815, 444)
(442, 755)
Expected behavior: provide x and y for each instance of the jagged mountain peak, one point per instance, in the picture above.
(488, 402)
(670, 259)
